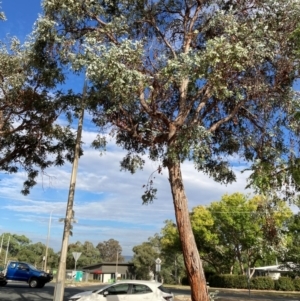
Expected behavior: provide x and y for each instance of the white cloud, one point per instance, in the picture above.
(107, 202)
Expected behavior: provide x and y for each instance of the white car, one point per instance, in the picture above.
(127, 290)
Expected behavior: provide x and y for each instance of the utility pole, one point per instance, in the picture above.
(1, 243)
(117, 266)
(47, 244)
(7, 251)
(61, 274)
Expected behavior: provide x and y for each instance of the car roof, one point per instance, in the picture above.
(153, 284)
(146, 282)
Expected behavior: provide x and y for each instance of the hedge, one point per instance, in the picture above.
(228, 281)
(297, 284)
(262, 283)
(259, 282)
(284, 284)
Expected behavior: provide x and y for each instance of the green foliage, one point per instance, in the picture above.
(185, 92)
(293, 244)
(228, 281)
(262, 283)
(171, 252)
(284, 284)
(144, 258)
(110, 250)
(238, 232)
(89, 255)
(296, 283)
(30, 138)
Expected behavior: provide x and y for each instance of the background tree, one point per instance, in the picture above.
(16, 243)
(239, 231)
(244, 229)
(144, 258)
(21, 248)
(90, 255)
(110, 251)
(291, 258)
(218, 256)
(185, 80)
(171, 252)
(74, 247)
(34, 254)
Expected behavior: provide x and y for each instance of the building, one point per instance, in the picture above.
(273, 271)
(106, 272)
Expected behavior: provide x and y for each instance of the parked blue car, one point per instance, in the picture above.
(22, 271)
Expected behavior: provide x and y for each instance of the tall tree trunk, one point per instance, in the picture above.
(191, 255)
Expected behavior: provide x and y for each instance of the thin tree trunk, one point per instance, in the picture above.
(191, 255)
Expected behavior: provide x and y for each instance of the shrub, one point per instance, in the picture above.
(262, 283)
(284, 284)
(228, 281)
(216, 281)
(241, 281)
(296, 282)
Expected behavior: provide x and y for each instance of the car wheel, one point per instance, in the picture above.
(33, 283)
(3, 283)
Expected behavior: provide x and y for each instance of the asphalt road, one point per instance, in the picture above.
(22, 292)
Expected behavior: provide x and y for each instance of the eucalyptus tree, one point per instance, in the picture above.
(31, 140)
(110, 251)
(184, 80)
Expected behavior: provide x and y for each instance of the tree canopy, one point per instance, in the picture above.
(206, 81)
(31, 139)
(110, 251)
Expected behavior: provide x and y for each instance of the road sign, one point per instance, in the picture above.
(158, 261)
(76, 255)
(157, 268)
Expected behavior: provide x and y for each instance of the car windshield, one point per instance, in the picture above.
(32, 267)
(103, 288)
(165, 290)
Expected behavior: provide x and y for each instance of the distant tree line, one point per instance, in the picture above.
(21, 248)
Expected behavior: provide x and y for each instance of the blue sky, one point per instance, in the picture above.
(107, 202)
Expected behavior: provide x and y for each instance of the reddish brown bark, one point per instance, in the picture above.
(191, 255)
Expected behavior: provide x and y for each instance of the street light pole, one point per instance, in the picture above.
(61, 274)
(47, 245)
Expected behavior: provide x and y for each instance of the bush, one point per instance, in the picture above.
(216, 281)
(284, 284)
(241, 281)
(296, 282)
(228, 281)
(262, 283)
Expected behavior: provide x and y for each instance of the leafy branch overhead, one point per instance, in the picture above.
(30, 137)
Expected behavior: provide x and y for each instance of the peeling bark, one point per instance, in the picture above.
(191, 255)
